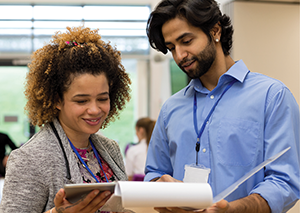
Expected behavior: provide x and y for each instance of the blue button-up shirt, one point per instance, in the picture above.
(254, 120)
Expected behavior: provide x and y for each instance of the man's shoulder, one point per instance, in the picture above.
(262, 78)
(258, 81)
(179, 97)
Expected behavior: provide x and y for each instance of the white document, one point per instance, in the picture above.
(234, 186)
(159, 194)
(190, 196)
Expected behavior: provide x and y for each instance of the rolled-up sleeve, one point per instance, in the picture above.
(280, 187)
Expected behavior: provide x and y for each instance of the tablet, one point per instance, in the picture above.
(75, 192)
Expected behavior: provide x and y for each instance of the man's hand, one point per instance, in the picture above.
(253, 203)
(219, 207)
(167, 178)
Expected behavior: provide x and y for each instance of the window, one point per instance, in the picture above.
(123, 130)
(179, 79)
(12, 104)
(24, 29)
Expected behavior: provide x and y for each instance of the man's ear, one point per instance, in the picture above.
(216, 31)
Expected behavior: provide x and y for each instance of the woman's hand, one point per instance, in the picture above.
(89, 204)
(219, 207)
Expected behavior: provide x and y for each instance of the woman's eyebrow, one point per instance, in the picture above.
(85, 95)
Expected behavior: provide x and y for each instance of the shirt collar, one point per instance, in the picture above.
(239, 71)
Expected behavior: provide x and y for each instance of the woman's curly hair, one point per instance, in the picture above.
(55, 65)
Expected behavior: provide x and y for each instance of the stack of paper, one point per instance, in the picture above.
(130, 194)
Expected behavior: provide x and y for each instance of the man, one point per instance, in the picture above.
(236, 119)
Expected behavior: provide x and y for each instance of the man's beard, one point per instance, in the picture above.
(204, 61)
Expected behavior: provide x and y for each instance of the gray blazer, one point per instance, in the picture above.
(37, 170)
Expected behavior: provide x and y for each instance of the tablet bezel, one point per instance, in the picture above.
(75, 192)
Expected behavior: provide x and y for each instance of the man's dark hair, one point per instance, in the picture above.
(199, 13)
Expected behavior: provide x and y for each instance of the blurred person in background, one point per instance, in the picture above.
(136, 155)
(4, 142)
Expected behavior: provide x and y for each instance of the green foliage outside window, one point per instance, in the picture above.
(178, 78)
(123, 129)
(12, 103)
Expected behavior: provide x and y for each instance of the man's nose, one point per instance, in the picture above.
(181, 53)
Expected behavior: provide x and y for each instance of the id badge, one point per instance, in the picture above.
(196, 173)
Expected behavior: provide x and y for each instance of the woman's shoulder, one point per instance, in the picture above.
(38, 152)
(37, 146)
(42, 137)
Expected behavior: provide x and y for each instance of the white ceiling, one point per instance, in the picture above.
(287, 1)
(137, 2)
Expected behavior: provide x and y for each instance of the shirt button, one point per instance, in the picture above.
(212, 97)
(204, 150)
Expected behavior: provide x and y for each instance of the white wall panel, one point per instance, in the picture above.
(267, 38)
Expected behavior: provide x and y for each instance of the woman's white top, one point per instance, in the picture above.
(135, 159)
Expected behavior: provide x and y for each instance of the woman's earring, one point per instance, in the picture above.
(217, 40)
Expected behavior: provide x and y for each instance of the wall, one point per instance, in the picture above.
(267, 38)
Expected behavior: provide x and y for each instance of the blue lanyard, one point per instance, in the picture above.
(206, 119)
(84, 164)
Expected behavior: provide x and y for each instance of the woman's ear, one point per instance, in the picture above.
(59, 105)
(144, 132)
(216, 32)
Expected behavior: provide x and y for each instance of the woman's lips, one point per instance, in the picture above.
(92, 121)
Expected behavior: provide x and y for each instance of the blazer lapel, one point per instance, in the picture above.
(111, 156)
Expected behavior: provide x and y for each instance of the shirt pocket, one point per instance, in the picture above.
(237, 142)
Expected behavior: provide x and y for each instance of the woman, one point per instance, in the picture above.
(75, 86)
(136, 155)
